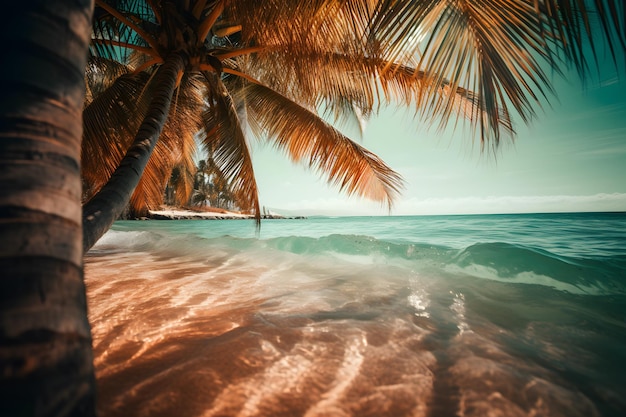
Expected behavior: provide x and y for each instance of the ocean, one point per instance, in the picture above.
(477, 315)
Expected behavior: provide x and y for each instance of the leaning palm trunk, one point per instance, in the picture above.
(105, 207)
(45, 339)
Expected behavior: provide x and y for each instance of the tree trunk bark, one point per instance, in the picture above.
(45, 340)
(104, 208)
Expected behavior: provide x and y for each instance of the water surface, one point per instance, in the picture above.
(506, 315)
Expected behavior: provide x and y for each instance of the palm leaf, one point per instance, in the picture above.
(306, 137)
(343, 83)
(314, 74)
(496, 48)
(100, 73)
(224, 135)
(108, 130)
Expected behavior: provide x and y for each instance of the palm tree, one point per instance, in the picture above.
(211, 186)
(270, 65)
(45, 342)
(176, 33)
(269, 69)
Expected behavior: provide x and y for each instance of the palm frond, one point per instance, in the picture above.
(224, 135)
(350, 67)
(148, 195)
(109, 131)
(306, 137)
(132, 20)
(570, 25)
(346, 113)
(110, 121)
(121, 27)
(184, 186)
(100, 73)
(343, 83)
(496, 48)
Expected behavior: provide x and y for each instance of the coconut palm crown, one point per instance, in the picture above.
(280, 69)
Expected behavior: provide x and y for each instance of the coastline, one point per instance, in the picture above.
(216, 214)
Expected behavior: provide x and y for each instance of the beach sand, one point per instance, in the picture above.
(208, 213)
(174, 213)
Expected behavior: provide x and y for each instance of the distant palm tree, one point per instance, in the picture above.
(202, 184)
(210, 186)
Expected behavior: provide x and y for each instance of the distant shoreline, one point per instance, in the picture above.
(215, 214)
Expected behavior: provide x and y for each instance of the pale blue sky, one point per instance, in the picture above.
(571, 158)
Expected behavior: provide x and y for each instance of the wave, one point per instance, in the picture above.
(520, 264)
(186, 323)
(497, 261)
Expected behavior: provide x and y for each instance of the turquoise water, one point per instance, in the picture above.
(510, 315)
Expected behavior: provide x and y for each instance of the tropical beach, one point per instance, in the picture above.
(178, 213)
(174, 213)
(489, 283)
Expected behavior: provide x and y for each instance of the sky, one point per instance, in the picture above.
(572, 157)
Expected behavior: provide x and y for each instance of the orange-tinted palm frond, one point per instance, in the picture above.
(137, 48)
(184, 185)
(148, 194)
(237, 52)
(229, 144)
(126, 20)
(303, 24)
(182, 127)
(573, 25)
(110, 122)
(306, 137)
(166, 157)
(198, 8)
(156, 10)
(314, 78)
(147, 64)
(466, 50)
(436, 98)
(240, 74)
(343, 84)
(109, 131)
(209, 20)
(345, 70)
(100, 73)
(498, 49)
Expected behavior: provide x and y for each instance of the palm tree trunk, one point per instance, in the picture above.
(104, 208)
(45, 340)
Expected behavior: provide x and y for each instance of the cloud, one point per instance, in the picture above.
(464, 205)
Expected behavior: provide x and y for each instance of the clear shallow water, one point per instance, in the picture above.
(507, 315)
